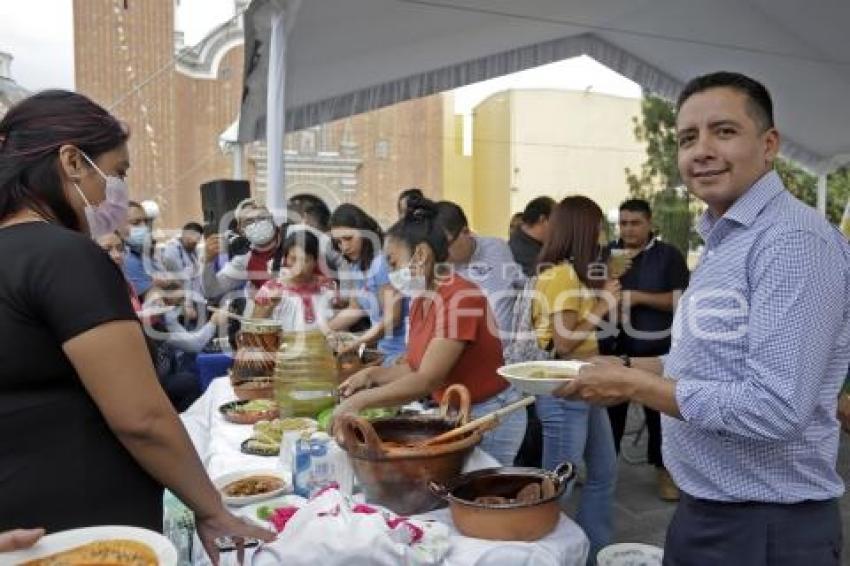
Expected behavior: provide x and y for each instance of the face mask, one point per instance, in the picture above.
(138, 236)
(408, 284)
(111, 214)
(260, 233)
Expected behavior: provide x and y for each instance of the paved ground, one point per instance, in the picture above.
(642, 517)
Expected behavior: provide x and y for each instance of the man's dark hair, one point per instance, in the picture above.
(540, 206)
(637, 205)
(307, 205)
(193, 227)
(450, 217)
(759, 103)
(134, 204)
(319, 214)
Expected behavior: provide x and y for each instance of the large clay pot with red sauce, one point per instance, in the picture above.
(395, 474)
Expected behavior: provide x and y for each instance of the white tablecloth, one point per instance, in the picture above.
(218, 444)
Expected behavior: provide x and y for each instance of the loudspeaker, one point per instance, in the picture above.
(220, 197)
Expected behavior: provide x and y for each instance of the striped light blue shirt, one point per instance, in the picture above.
(761, 343)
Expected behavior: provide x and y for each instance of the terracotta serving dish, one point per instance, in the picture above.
(349, 363)
(245, 417)
(259, 388)
(392, 471)
(524, 521)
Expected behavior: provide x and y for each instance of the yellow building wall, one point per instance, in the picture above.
(492, 164)
(457, 167)
(560, 143)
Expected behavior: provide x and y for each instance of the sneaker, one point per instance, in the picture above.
(667, 489)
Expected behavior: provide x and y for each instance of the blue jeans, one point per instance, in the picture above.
(503, 442)
(577, 432)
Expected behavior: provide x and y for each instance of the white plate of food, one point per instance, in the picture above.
(112, 545)
(630, 554)
(250, 486)
(542, 377)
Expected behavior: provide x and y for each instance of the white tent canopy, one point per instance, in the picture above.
(351, 56)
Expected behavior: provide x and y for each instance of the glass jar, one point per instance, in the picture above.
(305, 374)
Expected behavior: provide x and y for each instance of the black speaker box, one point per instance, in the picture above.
(220, 197)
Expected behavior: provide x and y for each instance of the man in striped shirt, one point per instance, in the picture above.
(761, 343)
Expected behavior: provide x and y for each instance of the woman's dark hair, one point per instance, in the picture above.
(352, 216)
(32, 132)
(419, 226)
(574, 237)
(304, 239)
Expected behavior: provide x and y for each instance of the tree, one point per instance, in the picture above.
(658, 180)
(804, 186)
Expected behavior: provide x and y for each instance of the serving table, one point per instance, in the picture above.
(218, 444)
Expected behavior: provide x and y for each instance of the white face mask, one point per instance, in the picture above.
(408, 284)
(111, 214)
(260, 233)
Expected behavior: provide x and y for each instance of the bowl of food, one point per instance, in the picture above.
(541, 377)
(508, 503)
(268, 435)
(250, 486)
(252, 389)
(249, 411)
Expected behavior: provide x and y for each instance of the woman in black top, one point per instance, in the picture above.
(87, 436)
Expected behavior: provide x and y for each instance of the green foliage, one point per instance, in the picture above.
(804, 186)
(658, 180)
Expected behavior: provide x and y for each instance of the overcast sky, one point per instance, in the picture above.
(39, 35)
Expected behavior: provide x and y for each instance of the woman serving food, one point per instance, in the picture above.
(453, 337)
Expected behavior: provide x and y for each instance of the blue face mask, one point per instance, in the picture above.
(138, 237)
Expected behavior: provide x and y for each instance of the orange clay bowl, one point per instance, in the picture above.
(231, 413)
(257, 388)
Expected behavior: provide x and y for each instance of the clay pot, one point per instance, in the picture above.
(396, 476)
(350, 363)
(261, 388)
(264, 335)
(504, 521)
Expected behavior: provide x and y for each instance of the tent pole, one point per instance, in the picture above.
(238, 159)
(276, 118)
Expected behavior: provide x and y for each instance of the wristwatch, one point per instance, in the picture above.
(627, 361)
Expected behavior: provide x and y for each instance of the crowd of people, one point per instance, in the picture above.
(738, 365)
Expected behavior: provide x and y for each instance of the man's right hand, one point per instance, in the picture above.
(212, 247)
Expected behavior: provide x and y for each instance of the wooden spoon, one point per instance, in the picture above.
(483, 423)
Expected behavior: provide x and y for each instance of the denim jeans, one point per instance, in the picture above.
(577, 432)
(503, 442)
